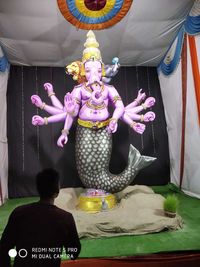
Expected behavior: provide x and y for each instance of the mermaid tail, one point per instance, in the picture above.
(93, 152)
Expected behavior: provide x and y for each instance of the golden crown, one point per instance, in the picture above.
(91, 51)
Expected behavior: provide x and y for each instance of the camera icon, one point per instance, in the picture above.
(22, 253)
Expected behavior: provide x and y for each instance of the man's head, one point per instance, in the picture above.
(47, 182)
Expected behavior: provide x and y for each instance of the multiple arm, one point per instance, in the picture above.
(149, 102)
(131, 112)
(72, 102)
(57, 111)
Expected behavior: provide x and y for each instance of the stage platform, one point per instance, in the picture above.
(166, 248)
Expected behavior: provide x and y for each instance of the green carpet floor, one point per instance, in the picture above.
(187, 238)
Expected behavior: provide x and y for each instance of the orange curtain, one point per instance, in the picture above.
(195, 70)
(184, 102)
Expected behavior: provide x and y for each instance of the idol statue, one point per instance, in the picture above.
(88, 103)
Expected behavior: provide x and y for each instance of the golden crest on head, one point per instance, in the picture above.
(91, 51)
(75, 69)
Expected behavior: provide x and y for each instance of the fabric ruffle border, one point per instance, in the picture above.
(173, 55)
(4, 64)
(191, 26)
(78, 13)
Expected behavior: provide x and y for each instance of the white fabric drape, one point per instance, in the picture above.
(171, 89)
(3, 136)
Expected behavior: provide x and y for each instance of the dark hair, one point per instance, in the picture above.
(47, 183)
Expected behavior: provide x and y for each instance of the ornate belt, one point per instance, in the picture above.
(92, 124)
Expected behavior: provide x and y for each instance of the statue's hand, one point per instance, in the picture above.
(139, 127)
(62, 140)
(141, 96)
(36, 100)
(149, 116)
(37, 120)
(70, 103)
(149, 102)
(48, 87)
(112, 127)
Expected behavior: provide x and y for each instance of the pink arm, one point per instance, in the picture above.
(117, 102)
(141, 96)
(137, 127)
(133, 116)
(52, 110)
(64, 135)
(119, 109)
(72, 103)
(75, 100)
(36, 100)
(38, 120)
(56, 103)
(57, 117)
(149, 116)
(149, 102)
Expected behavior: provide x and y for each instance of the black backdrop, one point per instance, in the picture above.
(34, 148)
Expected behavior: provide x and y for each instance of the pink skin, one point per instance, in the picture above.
(70, 103)
(56, 103)
(62, 140)
(36, 100)
(93, 72)
(137, 127)
(70, 106)
(112, 127)
(38, 120)
(140, 97)
(97, 98)
(149, 116)
(130, 115)
(149, 102)
(82, 100)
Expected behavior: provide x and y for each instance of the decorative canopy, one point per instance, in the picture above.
(191, 26)
(94, 14)
(35, 33)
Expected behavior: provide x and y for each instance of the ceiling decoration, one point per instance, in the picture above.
(173, 55)
(94, 14)
(35, 33)
(191, 26)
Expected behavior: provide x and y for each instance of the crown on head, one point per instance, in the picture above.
(91, 51)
